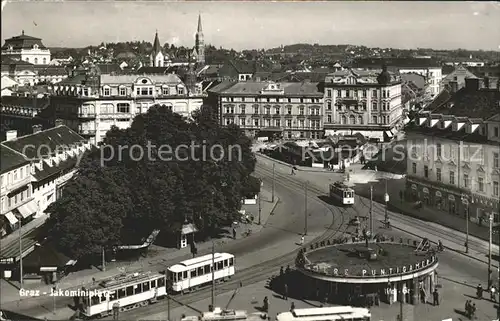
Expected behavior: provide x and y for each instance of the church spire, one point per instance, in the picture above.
(200, 29)
(156, 44)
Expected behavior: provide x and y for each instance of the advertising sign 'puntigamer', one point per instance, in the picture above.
(381, 272)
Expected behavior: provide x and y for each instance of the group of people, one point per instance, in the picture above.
(470, 309)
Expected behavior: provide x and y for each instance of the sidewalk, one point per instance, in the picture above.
(10, 292)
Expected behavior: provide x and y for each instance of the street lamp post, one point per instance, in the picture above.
(371, 210)
(213, 276)
(489, 252)
(305, 209)
(21, 280)
(260, 209)
(386, 199)
(272, 195)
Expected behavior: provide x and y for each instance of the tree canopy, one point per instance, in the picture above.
(191, 170)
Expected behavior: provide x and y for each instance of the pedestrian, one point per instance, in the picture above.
(468, 309)
(287, 271)
(473, 311)
(282, 271)
(479, 292)
(302, 238)
(265, 306)
(435, 295)
(292, 307)
(93, 281)
(493, 294)
(285, 292)
(241, 284)
(234, 233)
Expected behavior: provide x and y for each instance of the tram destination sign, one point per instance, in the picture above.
(382, 271)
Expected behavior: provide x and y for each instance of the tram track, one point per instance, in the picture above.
(260, 272)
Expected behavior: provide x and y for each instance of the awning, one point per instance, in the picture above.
(11, 218)
(27, 209)
(389, 134)
(188, 228)
(48, 269)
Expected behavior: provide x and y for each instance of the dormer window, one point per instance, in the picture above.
(123, 91)
(11, 48)
(35, 46)
(107, 91)
(180, 90)
(166, 91)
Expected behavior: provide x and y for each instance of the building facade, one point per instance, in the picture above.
(289, 110)
(25, 73)
(454, 160)
(26, 48)
(92, 104)
(362, 101)
(44, 162)
(157, 58)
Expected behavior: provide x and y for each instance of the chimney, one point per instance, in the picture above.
(472, 84)
(58, 122)
(37, 128)
(486, 82)
(453, 86)
(11, 134)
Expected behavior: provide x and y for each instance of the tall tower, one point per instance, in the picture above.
(156, 59)
(200, 44)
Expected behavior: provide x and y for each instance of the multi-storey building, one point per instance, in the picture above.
(25, 73)
(26, 48)
(91, 104)
(37, 167)
(427, 67)
(454, 154)
(362, 101)
(291, 110)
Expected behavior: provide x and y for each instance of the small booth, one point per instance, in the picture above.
(186, 235)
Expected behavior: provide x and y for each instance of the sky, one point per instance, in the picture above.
(259, 24)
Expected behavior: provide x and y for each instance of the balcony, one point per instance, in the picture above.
(86, 132)
(88, 115)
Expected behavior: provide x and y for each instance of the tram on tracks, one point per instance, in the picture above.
(226, 315)
(191, 274)
(342, 193)
(133, 290)
(344, 313)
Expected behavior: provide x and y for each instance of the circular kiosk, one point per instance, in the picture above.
(365, 273)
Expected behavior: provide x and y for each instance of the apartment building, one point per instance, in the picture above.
(91, 104)
(38, 166)
(362, 101)
(288, 110)
(26, 48)
(453, 154)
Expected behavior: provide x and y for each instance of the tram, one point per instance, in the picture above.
(344, 313)
(342, 193)
(226, 315)
(123, 292)
(189, 275)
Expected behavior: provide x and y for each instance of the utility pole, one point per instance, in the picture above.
(213, 275)
(386, 199)
(103, 260)
(21, 281)
(371, 210)
(305, 209)
(489, 252)
(169, 286)
(54, 296)
(272, 196)
(467, 218)
(260, 208)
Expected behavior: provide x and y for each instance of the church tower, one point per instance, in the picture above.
(200, 44)
(156, 59)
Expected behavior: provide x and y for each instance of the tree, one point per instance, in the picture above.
(131, 186)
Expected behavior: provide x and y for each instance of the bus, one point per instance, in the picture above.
(344, 313)
(191, 274)
(342, 193)
(123, 292)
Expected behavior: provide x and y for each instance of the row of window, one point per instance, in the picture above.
(275, 123)
(356, 93)
(35, 61)
(15, 175)
(472, 153)
(384, 106)
(277, 110)
(128, 291)
(353, 120)
(143, 91)
(272, 100)
(466, 180)
(18, 198)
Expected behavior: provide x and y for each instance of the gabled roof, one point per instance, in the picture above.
(442, 98)
(255, 87)
(48, 171)
(153, 70)
(156, 45)
(129, 79)
(10, 159)
(243, 67)
(459, 74)
(108, 68)
(43, 143)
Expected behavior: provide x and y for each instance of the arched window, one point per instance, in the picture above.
(352, 120)
(36, 61)
(360, 120)
(44, 61)
(344, 120)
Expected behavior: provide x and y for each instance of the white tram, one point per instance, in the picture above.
(191, 274)
(126, 291)
(225, 315)
(342, 193)
(344, 313)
